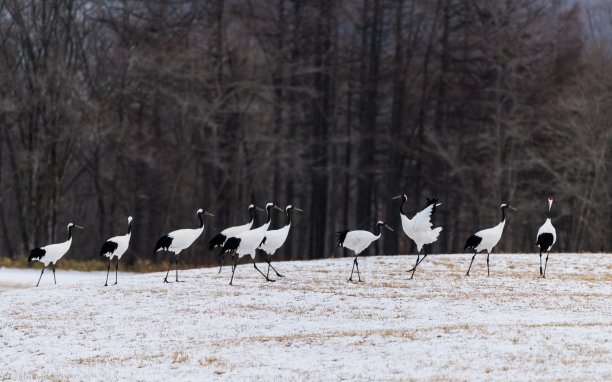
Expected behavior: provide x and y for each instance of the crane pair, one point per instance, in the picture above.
(419, 229)
(114, 247)
(488, 238)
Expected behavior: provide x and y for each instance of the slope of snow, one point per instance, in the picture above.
(315, 325)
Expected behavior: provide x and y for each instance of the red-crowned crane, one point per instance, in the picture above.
(51, 253)
(115, 247)
(180, 239)
(219, 239)
(275, 239)
(419, 227)
(547, 235)
(359, 240)
(246, 243)
(487, 238)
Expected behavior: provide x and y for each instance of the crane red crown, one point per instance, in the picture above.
(550, 198)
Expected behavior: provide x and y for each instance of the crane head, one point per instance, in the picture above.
(382, 223)
(507, 205)
(290, 207)
(403, 196)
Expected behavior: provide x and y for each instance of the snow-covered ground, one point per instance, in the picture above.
(13, 278)
(315, 325)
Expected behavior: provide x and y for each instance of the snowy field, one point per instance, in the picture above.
(315, 325)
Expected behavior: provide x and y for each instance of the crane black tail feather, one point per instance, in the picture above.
(36, 254)
(216, 241)
(340, 237)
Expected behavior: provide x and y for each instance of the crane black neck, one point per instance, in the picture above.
(70, 232)
(378, 225)
(288, 212)
(268, 216)
(129, 228)
(549, 208)
(252, 214)
(201, 220)
(503, 210)
(402, 205)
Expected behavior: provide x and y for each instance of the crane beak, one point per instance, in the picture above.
(78, 226)
(208, 213)
(397, 196)
(260, 209)
(439, 204)
(514, 209)
(389, 228)
(278, 208)
(298, 209)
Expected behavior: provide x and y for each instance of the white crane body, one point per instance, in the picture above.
(546, 238)
(359, 240)
(487, 239)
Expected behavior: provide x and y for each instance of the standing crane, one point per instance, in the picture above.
(487, 238)
(359, 240)
(275, 239)
(246, 243)
(419, 227)
(51, 253)
(180, 239)
(219, 239)
(115, 247)
(547, 235)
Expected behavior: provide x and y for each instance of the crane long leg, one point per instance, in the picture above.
(353, 269)
(270, 265)
(169, 265)
(468, 271)
(234, 266)
(545, 264)
(54, 281)
(41, 273)
(222, 254)
(417, 263)
(358, 275)
(267, 279)
(116, 269)
(107, 272)
(488, 274)
(176, 261)
(540, 262)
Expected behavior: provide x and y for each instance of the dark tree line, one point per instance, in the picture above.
(156, 108)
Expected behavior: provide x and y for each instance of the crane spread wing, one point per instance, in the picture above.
(422, 220)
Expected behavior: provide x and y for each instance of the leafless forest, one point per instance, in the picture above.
(155, 108)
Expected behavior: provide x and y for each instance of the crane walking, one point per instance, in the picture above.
(115, 247)
(51, 253)
(180, 239)
(219, 239)
(487, 238)
(275, 239)
(357, 241)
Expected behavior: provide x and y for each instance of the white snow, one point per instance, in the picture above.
(13, 278)
(315, 325)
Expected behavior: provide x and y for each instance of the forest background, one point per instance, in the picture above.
(155, 108)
